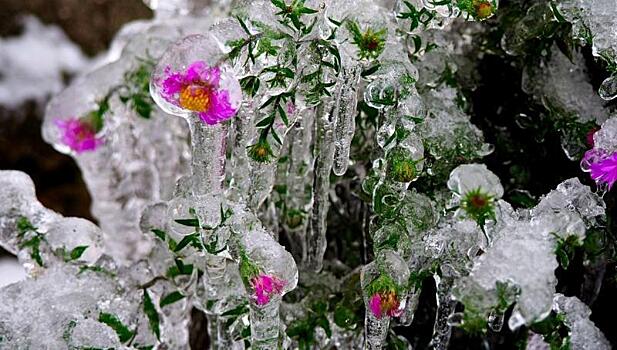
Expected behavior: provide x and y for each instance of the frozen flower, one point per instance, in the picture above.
(198, 89)
(479, 9)
(401, 167)
(265, 287)
(478, 205)
(78, 135)
(603, 167)
(260, 152)
(385, 303)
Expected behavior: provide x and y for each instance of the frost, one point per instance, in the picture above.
(23, 75)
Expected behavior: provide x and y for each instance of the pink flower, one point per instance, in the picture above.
(605, 170)
(265, 286)
(385, 303)
(198, 89)
(78, 135)
(375, 305)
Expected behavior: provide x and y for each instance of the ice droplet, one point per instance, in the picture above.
(608, 89)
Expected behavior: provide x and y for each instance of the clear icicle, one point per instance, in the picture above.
(445, 308)
(345, 116)
(324, 154)
(376, 331)
(297, 179)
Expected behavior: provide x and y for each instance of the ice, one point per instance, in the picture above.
(469, 177)
(26, 77)
(606, 137)
(563, 86)
(12, 271)
(583, 333)
(345, 114)
(524, 254)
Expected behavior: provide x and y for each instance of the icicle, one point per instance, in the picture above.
(239, 161)
(208, 144)
(345, 116)
(297, 179)
(445, 307)
(324, 155)
(376, 331)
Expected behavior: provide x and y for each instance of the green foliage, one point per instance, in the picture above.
(111, 320)
(136, 89)
(554, 331)
(303, 330)
(152, 314)
(171, 298)
(566, 248)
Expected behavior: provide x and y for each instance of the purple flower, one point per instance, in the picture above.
(78, 135)
(265, 286)
(198, 89)
(604, 170)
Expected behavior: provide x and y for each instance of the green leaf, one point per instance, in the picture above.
(152, 314)
(171, 298)
(188, 222)
(159, 233)
(250, 85)
(142, 105)
(188, 239)
(237, 311)
(265, 122)
(111, 320)
(77, 252)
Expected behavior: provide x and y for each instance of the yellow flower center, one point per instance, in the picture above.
(195, 98)
(261, 152)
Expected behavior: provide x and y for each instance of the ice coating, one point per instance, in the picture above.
(583, 333)
(295, 124)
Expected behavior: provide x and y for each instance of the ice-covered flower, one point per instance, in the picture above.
(479, 9)
(198, 89)
(385, 303)
(78, 135)
(261, 151)
(265, 287)
(602, 166)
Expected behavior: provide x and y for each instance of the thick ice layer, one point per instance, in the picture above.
(60, 309)
(584, 335)
(564, 87)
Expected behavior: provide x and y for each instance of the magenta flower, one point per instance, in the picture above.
(265, 287)
(385, 303)
(604, 170)
(78, 135)
(198, 89)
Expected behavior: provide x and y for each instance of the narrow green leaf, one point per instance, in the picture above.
(111, 320)
(171, 298)
(188, 222)
(159, 233)
(152, 314)
(185, 241)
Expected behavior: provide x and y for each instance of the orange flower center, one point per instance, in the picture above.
(195, 98)
(389, 301)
